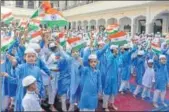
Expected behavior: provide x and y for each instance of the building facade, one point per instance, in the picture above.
(133, 16)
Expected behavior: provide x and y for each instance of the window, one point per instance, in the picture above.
(30, 4)
(2, 3)
(19, 4)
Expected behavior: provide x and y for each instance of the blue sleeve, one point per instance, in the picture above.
(40, 85)
(99, 83)
(103, 50)
(85, 57)
(44, 67)
(42, 43)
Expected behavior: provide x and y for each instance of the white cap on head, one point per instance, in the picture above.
(28, 80)
(34, 46)
(126, 46)
(113, 47)
(150, 61)
(162, 56)
(140, 52)
(52, 44)
(30, 50)
(101, 42)
(92, 56)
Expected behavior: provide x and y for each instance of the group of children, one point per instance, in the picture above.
(45, 69)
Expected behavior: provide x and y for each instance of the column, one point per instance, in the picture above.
(164, 25)
(149, 25)
(133, 27)
(25, 4)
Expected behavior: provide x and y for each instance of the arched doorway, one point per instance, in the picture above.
(140, 23)
(111, 21)
(125, 24)
(85, 25)
(79, 25)
(92, 24)
(161, 22)
(101, 24)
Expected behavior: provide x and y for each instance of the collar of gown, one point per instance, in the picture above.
(30, 92)
(31, 65)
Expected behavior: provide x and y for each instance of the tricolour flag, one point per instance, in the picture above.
(23, 24)
(42, 9)
(119, 38)
(112, 29)
(61, 37)
(7, 17)
(54, 17)
(6, 42)
(36, 34)
(76, 43)
(34, 24)
(155, 45)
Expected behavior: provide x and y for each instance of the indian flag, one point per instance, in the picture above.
(7, 17)
(119, 38)
(54, 18)
(61, 37)
(76, 43)
(155, 45)
(42, 9)
(6, 42)
(36, 34)
(23, 24)
(112, 29)
(34, 24)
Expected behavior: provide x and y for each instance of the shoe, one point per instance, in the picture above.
(114, 107)
(165, 105)
(155, 105)
(107, 110)
(121, 92)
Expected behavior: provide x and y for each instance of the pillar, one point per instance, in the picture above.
(133, 27)
(149, 24)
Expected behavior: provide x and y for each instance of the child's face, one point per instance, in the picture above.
(33, 86)
(150, 65)
(163, 60)
(93, 63)
(75, 54)
(101, 46)
(30, 58)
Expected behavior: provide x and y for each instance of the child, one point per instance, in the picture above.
(111, 82)
(161, 81)
(30, 101)
(148, 78)
(91, 85)
(139, 64)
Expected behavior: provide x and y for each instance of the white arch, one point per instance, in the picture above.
(139, 24)
(125, 21)
(85, 24)
(161, 22)
(73, 25)
(111, 21)
(101, 22)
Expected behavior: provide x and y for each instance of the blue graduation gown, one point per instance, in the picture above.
(91, 86)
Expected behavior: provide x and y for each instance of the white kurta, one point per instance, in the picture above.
(149, 77)
(30, 102)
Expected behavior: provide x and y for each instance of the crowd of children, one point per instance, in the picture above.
(44, 69)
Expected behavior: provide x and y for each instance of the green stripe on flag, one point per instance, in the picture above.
(8, 21)
(119, 43)
(5, 47)
(156, 51)
(78, 47)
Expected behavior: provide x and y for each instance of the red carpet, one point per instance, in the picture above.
(129, 103)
